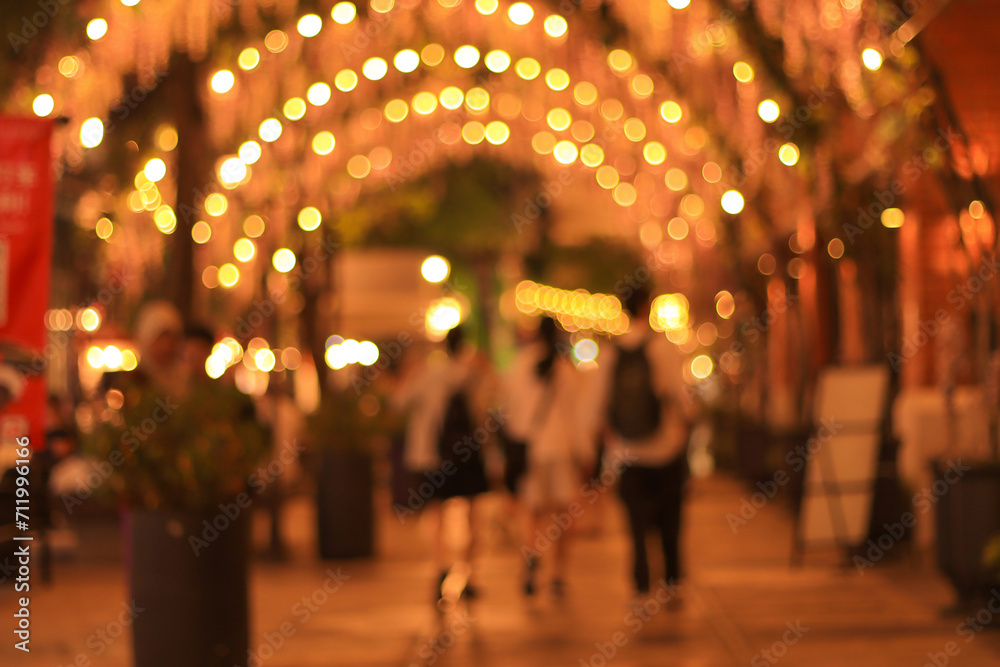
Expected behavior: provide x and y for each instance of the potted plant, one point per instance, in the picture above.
(180, 470)
(342, 432)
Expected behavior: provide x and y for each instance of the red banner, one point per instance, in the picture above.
(26, 220)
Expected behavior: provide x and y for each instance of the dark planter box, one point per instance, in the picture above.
(967, 515)
(190, 609)
(345, 504)
(751, 452)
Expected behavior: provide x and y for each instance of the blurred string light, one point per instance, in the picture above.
(575, 310)
(442, 316)
(346, 352)
(435, 269)
(669, 312)
(871, 59)
(725, 305)
(112, 358)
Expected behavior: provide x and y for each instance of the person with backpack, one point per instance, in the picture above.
(542, 398)
(647, 423)
(443, 449)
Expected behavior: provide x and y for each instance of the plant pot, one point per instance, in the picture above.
(189, 609)
(345, 504)
(967, 515)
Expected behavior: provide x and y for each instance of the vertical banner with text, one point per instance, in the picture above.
(26, 221)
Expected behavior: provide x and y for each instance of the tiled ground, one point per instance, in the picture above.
(736, 608)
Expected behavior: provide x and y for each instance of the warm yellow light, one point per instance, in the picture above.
(155, 170)
(323, 143)
(788, 154)
(309, 25)
(432, 54)
(521, 13)
(216, 204)
(670, 111)
(264, 359)
(654, 152)
(620, 61)
(223, 81)
(435, 269)
(477, 100)
(91, 132)
(283, 260)
(725, 305)
(249, 59)
(467, 56)
(452, 97)
(635, 130)
(732, 202)
(497, 132)
(582, 130)
(607, 177)
(253, 226)
(374, 69)
(585, 93)
(558, 119)
(486, 7)
(424, 103)
(43, 105)
(473, 132)
(565, 152)
(642, 86)
(95, 357)
(692, 205)
(229, 275)
(270, 130)
(359, 166)
(318, 94)
(835, 248)
(543, 143)
(250, 152)
(97, 28)
(90, 320)
(624, 194)
(872, 59)
(244, 250)
(527, 68)
(232, 171)
(555, 26)
(766, 264)
(612, 109)
(675, 179)
(768, 111)
(129, 361)
(406, 60)
(166, 138)
(382, 6)
(892, 218)
(104, 229)
(678, 4)
(711, 172)
(677, 229)
(201, 232)
(294, 108)
(701, 366)
(276, 41)
(557, 79)
(396, 111)
(112, 357)
(309, 218)
(591, 155)
(346, 80)
(977, 209)
(743, 72)
(344, 12)
(210, 277)
(497, 61)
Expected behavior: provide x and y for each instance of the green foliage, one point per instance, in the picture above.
(189, 455)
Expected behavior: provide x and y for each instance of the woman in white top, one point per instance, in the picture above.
(543, 404)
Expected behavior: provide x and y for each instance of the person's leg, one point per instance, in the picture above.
(632, 491)
(672, 482)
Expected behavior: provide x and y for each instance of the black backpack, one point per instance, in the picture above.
(634, 407)
(456, 425)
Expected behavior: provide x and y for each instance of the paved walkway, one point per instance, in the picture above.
(742, 604)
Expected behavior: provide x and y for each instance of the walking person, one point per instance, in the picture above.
(647, 426)
(442, 447)
(542, 396)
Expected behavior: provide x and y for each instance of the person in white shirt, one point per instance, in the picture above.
(543, 402)
(647, 416)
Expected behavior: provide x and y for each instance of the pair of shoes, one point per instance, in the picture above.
(529, 576)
